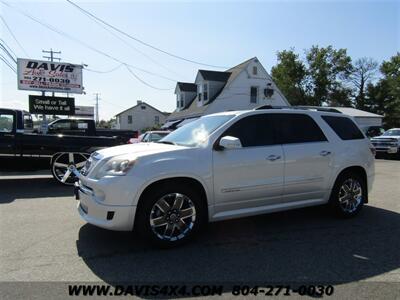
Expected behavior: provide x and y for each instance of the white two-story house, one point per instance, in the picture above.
(242, 87)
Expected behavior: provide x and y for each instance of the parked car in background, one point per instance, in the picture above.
(150, 137)
(388, 142)
(228, 165)
(87, 127)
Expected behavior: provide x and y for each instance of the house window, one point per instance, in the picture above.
(181, 103)
(157, 120)
(205, 92)
(143, 107)
(255, 71)
(199, 92)
(253, 94)
(177, 103)
(129, 119)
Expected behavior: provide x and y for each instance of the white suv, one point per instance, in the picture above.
(228, 165)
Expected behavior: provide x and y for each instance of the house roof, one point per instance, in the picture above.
(356, 112)
(164, 113)
(191, 109)
(187, 86)
(215, 75)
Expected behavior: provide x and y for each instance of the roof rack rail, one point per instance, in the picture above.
(317, 108)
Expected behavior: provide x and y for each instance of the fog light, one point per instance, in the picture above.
(110, 215)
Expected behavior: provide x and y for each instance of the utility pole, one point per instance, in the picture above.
(51, 58)
(97, 107)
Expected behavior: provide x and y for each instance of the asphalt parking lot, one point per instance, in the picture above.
(43, 239)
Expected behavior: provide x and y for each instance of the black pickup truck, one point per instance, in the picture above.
(87, 127)
(21, 149)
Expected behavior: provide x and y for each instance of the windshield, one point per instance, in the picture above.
(392, 132)
(197, 132)
(156, 136)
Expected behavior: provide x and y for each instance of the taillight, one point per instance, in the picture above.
(373, 150)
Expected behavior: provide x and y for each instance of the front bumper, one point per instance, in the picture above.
(389, 150)
(113, 217)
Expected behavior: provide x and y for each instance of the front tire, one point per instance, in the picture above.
(170, 215)
(348, 195)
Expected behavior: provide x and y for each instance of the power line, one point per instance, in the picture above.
(7, 63)
(103, 72)
(8, 47)
(144, 82)
(140, 41)
(132, 47)
(52, 28)
(8, 53)
(14, 37)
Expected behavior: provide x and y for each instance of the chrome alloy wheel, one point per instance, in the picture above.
(350, 195)
(64, 163)
(172, 217)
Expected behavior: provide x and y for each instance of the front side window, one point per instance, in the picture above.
(28, 123)
(253, 131)
(344, 127)
(253, 94)
(196, 133)
(129, 119)
(6, 123)
(297, 128)
(62, 125)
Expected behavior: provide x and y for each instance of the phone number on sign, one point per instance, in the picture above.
(283, 290)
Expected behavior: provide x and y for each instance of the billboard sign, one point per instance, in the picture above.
(48, 76)
(48, 105)
(84, 111)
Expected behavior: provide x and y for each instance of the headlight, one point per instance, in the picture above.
(115, 167)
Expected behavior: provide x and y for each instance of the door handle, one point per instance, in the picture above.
(324, 153)
(273, 157)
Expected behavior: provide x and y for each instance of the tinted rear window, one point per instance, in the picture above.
(344, 127)
(297, 128)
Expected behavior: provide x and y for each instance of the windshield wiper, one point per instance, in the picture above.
(166, 142)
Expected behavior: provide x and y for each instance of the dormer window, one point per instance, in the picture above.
(205, 92)
(255, 71)
(199, 94)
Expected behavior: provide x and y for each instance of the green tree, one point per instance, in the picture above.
(391, 77)
(364, 70)
(290, 75)
(384, 96)
(328, 69)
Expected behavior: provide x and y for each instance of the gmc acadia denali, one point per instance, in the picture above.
(228, 165)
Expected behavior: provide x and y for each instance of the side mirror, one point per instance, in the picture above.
(229, 142)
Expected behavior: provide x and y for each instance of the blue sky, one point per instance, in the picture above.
(217, 33)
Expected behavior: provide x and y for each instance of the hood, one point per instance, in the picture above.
(386, 137)
(138, 149)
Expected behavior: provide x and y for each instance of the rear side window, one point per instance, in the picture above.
(344, 127)
(253, 131)
(297, 128)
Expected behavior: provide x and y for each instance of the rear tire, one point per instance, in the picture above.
(170, 215)
(348, 195)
